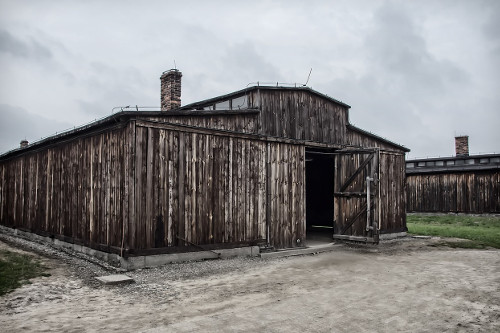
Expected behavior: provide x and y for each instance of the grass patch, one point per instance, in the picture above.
(481, 231)
(17, 269)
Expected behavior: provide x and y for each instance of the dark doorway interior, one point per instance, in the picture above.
(320, 168)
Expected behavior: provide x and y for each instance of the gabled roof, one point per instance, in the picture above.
(192, 109)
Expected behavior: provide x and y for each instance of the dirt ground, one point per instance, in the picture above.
(407, 285)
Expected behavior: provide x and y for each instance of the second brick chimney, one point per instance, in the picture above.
(462, 145)
(170, 90)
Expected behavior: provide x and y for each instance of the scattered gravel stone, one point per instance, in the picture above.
(157, 283)
(161, 283)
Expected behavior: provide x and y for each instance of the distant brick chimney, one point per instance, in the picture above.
(462, 145)
(170, 90)
(24, 143)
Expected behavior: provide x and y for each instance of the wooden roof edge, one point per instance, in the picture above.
(451, 169)
(451, 158)
(379, 138)
(119, 117)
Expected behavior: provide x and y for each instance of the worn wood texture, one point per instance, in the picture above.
(358, 139)
(231, 122)
(75, 189)
(392, 192)
(162, 181)
(207, 189)
(298, 114)
(388, 202)
(152, 186)
(461, 192)
(287, 185)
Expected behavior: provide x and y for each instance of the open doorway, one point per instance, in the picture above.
(320, 168)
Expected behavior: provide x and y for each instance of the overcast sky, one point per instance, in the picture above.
(415, 72)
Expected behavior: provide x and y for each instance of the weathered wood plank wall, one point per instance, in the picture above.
(298, 114)
(73, 190)
(242, 123)
(467, 192)
(287, 185)
(292, 114)
(392, 192)
(359, 139)
(210, 189)
(149, 185)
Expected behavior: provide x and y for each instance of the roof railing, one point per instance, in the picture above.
(276, 84)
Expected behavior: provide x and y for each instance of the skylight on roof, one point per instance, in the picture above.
(237, 103)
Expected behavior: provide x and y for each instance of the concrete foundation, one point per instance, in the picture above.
(162, 259)
(137, 262)
(392, 236)
(301, 251)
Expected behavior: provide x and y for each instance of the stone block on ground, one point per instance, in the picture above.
(115, 279)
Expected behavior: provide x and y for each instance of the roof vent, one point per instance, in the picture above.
(24, 143)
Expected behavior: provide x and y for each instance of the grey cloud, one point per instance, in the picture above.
(406, 94)
(17, 124)
(401, 52)
(244, 60)
(9, 44)
(102, 104)
(384, 58)
(104, 96)
(491, 27)
(16, 47)
(232, 68)
(105, 86)
(404, 85)
(491, 32)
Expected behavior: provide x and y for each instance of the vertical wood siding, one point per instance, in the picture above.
(392, 192)
(300, 115)
(143, 187)
(391, 187)
(468, 192)
(151, 185)
(73, 190)
(358, 139)
(287, 195)
(209, 189)
(231, 122)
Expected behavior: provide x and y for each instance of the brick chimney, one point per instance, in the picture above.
(24, 143)
(170, 90)
(462, 145)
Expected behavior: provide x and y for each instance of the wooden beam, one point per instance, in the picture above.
(351, 194)
(357, 238)
(353, 176)
(353, 219)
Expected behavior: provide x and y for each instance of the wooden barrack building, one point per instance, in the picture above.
(263, 165)
(460, 184)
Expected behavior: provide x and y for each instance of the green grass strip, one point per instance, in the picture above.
(17, 269)
(480, 230)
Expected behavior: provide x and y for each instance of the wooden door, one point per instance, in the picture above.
(357, 195)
